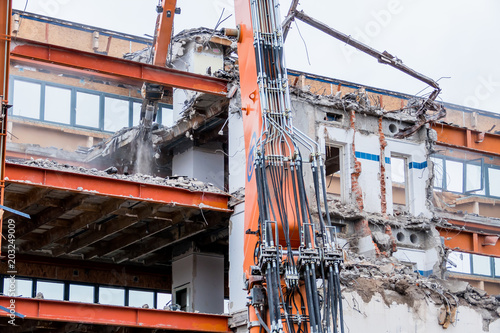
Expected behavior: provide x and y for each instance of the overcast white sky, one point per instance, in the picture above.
(440, 38)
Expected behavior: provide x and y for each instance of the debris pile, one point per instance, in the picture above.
(385, 274)
(190, 184)
(145, 55)
(358, 102)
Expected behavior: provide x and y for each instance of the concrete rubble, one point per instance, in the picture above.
(190, 184)
(382, 275)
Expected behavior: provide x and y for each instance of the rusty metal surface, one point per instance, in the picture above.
(94, 64)
(48, 310)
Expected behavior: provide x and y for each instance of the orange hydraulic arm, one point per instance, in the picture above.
(285, 250)
(164, 29)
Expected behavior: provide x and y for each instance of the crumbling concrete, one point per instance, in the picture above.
(412, 303)
(190, 184)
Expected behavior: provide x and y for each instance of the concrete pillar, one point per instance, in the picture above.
(204, 164)
(237, 296)
(237, 167)
(198, 282)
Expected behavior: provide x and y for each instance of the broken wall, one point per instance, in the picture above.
(366, 144)
(459, 115)
(389, 311)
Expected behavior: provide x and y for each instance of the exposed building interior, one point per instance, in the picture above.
(126, 172)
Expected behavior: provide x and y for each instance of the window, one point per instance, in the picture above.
(85, 293)
(474, 264)
(136, 113)
(332, 170)
(481, 265)
(460, 262)
(162, 299)
(74, 106)
(57, 106)
(23, 288)
(454, 176)
(26, 99)
(87, 109)
(496, 263)
(111, 296)
(399, 177)
(470, 177)
(81, 293)
(494, 181)
(116, 114)
(50, 290)
(474, 176)
(166, 116)
(138, 298)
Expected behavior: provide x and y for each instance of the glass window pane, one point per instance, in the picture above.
(116, 113)
(81, 293)
(138, 298)
(398, 170)
(136, 113)
(481, 265)
(57, 104)
(87, 109)
(22, 287)
(494, 180)
(111, 296)
(26, 99)
(438, 172)
(497, 266)
(50, 290)
(162, 299)
(454, 176)
(462, 262)
(167, 117)
(473, 177)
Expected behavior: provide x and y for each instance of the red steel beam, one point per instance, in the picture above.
(5, 22)
(132, 71)
(469, 241)
(118, 188)
(459, 137)
(115, 315)
(164, 32)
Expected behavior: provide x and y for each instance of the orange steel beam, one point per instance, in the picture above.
(115, 315)
(252, 120)
(118, 188)
(469, 241)
(5, 15)
(468, 139)
(132, 71)
(164, 32)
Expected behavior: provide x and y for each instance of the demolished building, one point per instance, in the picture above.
(416, 215)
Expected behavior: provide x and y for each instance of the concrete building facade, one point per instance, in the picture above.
(416, 215)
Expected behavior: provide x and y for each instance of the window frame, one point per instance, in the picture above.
(342, 172)
(68, 283)
(73, 93)
(406, 182)
(485, 167)
(494, 270)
